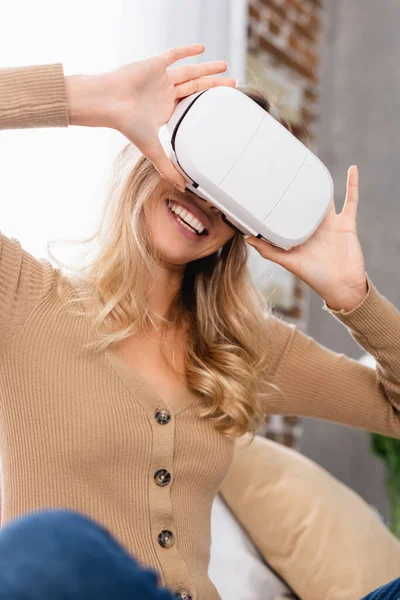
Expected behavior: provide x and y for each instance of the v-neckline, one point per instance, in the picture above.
(136, 383)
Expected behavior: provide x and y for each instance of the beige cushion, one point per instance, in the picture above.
(236, 568)
(322, 538)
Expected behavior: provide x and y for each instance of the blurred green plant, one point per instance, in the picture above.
(388, 450)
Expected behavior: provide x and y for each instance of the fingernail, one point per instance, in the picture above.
(179, 188)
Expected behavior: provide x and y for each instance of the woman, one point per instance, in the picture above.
(124, 387)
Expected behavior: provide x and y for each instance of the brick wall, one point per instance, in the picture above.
(284, 55)
(285, 36)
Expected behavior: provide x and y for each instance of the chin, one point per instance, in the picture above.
(174, 251)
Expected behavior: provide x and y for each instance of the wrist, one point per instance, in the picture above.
(348, 301)
(87, 100)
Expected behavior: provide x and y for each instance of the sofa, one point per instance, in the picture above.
(283, 527)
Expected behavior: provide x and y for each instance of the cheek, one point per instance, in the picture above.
(220, 238)
(225, 233)
(159, 233)
(158, 220)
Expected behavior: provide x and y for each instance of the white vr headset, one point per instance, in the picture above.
(237, 156)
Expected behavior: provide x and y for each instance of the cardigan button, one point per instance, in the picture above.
(162, 416)
(183, 595)
(162, 477)
(166, 538)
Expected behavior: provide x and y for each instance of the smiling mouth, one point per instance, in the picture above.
(185, 223)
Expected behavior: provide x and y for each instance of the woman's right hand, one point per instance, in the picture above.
(137, 99)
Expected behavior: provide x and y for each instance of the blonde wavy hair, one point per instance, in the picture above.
(223, 313)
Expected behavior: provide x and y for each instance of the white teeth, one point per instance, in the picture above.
(182, 222)
(184, 215)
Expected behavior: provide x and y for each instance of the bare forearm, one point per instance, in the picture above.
(87, 100)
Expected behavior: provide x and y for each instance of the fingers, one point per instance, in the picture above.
(351, 202)
(188, 72)
(203, 83)
(155, 153)
(168, 57)
(332, 209)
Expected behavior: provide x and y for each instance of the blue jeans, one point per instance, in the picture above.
(390, 591)
(62, 555)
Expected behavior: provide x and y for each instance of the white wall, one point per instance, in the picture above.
(150, 27)
(51, 180)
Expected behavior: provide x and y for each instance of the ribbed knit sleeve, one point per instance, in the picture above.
(24, 282)
(33, 96)
(30, 97)
(317, 382)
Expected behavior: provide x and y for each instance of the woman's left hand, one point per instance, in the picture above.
(331, 261)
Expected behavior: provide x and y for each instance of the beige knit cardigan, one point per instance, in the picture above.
(85, 431)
